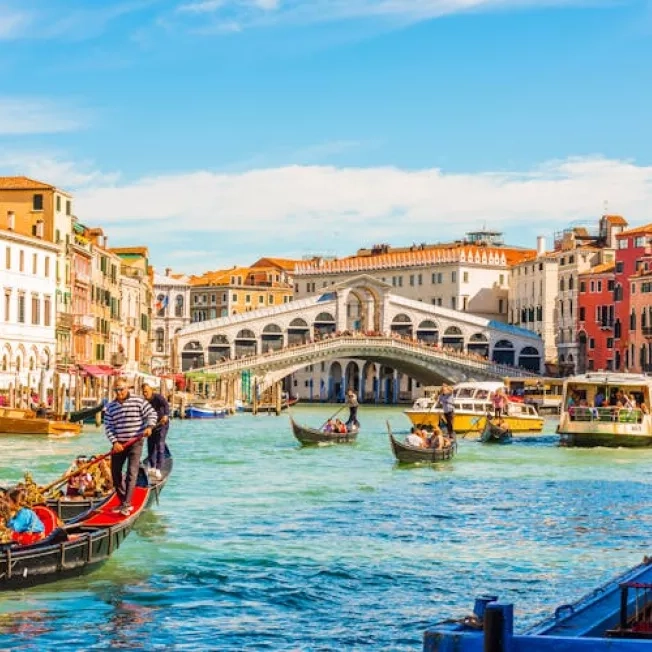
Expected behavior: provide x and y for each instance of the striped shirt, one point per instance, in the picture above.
(126, 420)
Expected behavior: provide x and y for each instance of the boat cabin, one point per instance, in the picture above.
(544, 393)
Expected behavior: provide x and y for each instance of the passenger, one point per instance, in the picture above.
(413, 439)
(599, 399)
(499, 400)
(340, 427)
(329, 427)
(77, 483)
(23, 519)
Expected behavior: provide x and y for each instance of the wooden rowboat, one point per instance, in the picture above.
(411, 455)
(17, 421)
(493, 434)
(74, 548)
(313, 437)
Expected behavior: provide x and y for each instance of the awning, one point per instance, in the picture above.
(96, 370)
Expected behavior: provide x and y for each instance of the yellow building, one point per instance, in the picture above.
(241, 289)
(34, 208)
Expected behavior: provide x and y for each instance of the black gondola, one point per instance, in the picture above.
(77, 547)
(410, 455)
(86, 413)
(70, 507)
(494, 434)
(313, 437)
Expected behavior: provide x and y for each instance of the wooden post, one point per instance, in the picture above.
(12, 395)
(278, 390)
(62, 400)
(254, 397)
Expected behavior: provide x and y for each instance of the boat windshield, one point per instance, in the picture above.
(465, 392)
(482, 394)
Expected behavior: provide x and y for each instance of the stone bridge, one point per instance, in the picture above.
(425, 363)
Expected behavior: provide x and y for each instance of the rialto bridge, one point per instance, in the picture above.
(358, 320)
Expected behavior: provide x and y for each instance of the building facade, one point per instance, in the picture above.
(640, 326)
(171, 314)
(27, 318)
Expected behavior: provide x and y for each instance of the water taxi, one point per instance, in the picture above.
(18, 421)
(473, 401)
(606, 409)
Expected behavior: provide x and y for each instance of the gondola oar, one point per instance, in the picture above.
(84, 467)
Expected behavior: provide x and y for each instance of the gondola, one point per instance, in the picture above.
(85, 414)
(76, 547)
(405, 454)
(313, 437)
(68, 508)
(493, 434)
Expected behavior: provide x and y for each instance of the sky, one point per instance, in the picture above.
(216, 132)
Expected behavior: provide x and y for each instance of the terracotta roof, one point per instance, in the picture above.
(287, 264)
(25, 183)
(141, 251)
(419, 257)
(618, 220)
(646, 228)
(604, 268)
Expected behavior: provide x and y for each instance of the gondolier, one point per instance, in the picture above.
(448, 407)
(156, 443)
(352, 402)
(127, 417)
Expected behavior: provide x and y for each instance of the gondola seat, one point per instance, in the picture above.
(48, 518)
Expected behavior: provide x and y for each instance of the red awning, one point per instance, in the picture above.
(109, 370)
(94, 370)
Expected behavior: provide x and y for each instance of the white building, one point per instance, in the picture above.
(171, 313)
(533, 297)
(27, 316)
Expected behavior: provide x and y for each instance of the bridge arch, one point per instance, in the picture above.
(453, 338)
(324, 324)
(271, 338)
(428, 332)
(219, 349)
(192, 356)
(246, 343)
(503, 352)
(369, 295)
(402, 325)
(335, 380)
(298, 331)
(529, 358)
(479, 344)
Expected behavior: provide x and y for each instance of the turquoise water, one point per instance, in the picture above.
(258, 544)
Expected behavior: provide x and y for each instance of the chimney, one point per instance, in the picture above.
(11, 220)
(106, 242)
(39, 229)
(168, 271)
(541, 245)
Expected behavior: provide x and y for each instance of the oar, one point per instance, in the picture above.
(331, 417)
(84, 467)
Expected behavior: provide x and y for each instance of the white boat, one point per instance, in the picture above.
(595, 412)
(473, 401)
(205, 411)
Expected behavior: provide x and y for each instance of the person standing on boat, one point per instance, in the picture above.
(448, 407)
(156, 443)
(352, 402)
(126, 418)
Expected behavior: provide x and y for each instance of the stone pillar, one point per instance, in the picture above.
(340, 316)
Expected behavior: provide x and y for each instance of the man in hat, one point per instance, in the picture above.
(352, 402)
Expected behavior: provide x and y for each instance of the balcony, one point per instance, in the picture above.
(84, 323)
(647, 332)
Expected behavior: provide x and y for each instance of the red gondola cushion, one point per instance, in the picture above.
(48, 518)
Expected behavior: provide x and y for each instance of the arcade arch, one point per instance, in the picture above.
(271, 338)
(246, 343)
(192, 356)
(402, 325)
(478, 344)
(503, 352)
(428, 332)
(453, 338)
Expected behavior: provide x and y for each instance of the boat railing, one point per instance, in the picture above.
(605, 414)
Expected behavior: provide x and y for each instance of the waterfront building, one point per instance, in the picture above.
(27, 331)
(42, 210)
(80, 255)
(633, 246)
(171, 314)
(640, 325)
(578, 249)
(134, 351)
(596, 317)
(532, 297)
(240, 289)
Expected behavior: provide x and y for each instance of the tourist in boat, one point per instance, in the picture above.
(79, 483)
(352, 402)
(127, 417)
(445, 400)
(156, 443)
(340, 426)
(414, 439)
(23, 519)
(330, 426)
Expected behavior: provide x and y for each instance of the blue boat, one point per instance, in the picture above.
(205, 412)
(616, 617)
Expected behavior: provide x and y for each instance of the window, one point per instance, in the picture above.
(623, 243)
(454, 301)
(599, 286)
(21, 308)
(592, 286)
(465, 277)
(247, 298)
(21, 261)
(610, 342)
(7, 304)
(582, 313)
(420, 279)
(500, 306)
(57, 236)
(454, 277)
(36, 309)
(501, 279)
(610, 285)
(633, 288)
(411, 279)
(592, 343)
(465, 303)
(632, 320)
(58, 203)
(37, 202)
(270, 299)
(68, 207)
(561, 285)
(582, 286)
(34, 264)
(234, 298)
(178, 306)
(160, 336)
(8, 257)
(47, 267)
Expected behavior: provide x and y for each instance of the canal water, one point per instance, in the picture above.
(258, 544)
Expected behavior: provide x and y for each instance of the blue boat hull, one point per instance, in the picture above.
(205, 413)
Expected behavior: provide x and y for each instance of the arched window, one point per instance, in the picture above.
(178, 306)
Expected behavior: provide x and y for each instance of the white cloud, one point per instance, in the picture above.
(323, 207)
(12, 22)
(19, 116)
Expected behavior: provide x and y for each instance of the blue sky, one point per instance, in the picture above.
(217, 131)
